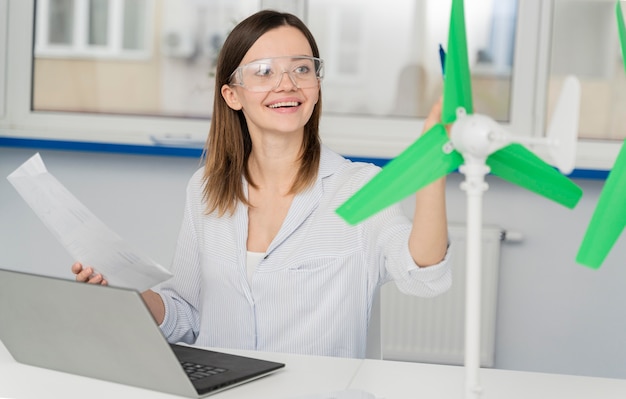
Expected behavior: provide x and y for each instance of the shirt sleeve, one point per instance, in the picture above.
(390, 232)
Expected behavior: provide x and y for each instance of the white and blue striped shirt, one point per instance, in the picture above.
(312, 293)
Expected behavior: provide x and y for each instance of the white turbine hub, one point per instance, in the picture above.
(475, 135)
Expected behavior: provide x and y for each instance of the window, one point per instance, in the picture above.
(371, 69)
(384, 60)
(72, 29)
(584, 42)
(89, 53)
(139, 72)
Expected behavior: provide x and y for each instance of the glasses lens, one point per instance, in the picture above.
(266, 74)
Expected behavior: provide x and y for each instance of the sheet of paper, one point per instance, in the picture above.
(85, 237)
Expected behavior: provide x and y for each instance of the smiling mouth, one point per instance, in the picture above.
(287, 104)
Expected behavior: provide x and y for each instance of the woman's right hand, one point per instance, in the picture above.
(87, 274)
(151, 298)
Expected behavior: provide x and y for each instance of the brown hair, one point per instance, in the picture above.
(228, 145)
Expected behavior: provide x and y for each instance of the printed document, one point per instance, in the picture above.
(84, 236)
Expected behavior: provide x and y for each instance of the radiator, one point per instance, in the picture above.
(432, 330)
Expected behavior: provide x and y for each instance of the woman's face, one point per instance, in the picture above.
(284, 109)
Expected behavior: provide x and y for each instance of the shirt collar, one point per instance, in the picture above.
(329, 162)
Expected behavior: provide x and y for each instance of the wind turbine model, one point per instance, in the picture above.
(477, 145)
(609, 218)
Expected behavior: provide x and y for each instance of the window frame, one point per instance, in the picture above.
(363, 137)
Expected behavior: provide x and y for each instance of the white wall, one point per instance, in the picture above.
(553, 315)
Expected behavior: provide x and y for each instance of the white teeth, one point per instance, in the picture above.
(285, 104)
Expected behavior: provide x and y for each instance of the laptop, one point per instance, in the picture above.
(108, 333)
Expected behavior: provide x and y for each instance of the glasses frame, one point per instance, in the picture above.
(236, 78)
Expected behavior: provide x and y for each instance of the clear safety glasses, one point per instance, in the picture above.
(266, 74)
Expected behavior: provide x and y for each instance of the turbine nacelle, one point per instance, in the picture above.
(476, 135)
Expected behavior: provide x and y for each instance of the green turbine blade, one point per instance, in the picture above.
(609, 218)
(421, 163)
(621, 30)
(520, 166)
(457, 87)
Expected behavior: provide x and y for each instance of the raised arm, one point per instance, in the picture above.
(428, 241)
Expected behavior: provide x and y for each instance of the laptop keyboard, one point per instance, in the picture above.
(197, 371)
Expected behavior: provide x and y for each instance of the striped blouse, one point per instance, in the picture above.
(312, 292)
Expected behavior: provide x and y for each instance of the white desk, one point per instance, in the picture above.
(306, 375)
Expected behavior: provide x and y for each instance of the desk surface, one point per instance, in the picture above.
(308, 375)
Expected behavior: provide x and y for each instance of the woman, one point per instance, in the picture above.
(263, 261)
